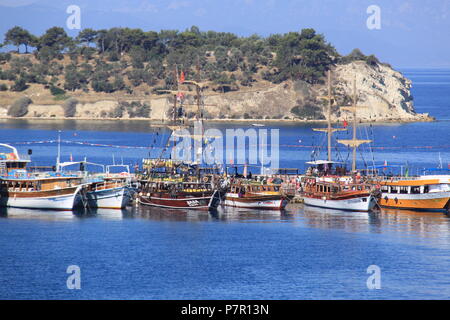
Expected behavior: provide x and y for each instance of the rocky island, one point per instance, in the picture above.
(122, 73)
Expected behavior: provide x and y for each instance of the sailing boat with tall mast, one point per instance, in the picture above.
(325, 166)
(354, 142)
(337, 192)
(174, 183)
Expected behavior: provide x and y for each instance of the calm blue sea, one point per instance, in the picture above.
(302, 253)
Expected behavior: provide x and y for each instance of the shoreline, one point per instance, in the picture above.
(263, 121)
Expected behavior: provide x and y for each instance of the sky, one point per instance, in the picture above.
(412, 33)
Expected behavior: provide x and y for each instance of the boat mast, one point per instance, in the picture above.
(58, 159)
(355, 123)
(354, 143)
(329, 130)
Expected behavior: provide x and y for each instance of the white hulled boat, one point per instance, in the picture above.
(19, 188)
(338, 192)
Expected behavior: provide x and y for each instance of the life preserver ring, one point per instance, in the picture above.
(205, 179)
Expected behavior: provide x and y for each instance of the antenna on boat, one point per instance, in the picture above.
(354, 143)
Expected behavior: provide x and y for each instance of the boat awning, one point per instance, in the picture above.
(387, 166)
(319, 162)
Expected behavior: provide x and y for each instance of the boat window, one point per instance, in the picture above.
(404, 190)
(394, 190)
(415, 190)
(426, 189)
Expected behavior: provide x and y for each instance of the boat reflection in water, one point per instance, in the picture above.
(227, 213)
(108, 214)
(424, 223)
(407, 223)
(37, 214)
(166, 214)
(62, 215)
(221, 214)
(352, 221)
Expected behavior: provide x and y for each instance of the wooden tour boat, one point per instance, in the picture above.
(179, 195)
(19, 188)
(341, 192)
(255, 196)
(419, 193)
(104, 190)
(352, 197)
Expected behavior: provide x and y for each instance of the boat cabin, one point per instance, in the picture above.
(255, 188)
(46, 184)
(186, 187)
(327, 188)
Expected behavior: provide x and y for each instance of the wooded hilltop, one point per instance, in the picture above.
(121, 72)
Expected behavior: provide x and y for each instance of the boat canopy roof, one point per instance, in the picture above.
(319, 162)
(12, 156)
(71, 163)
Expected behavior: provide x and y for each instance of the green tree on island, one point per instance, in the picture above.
(18, 36)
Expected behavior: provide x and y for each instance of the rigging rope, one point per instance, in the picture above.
(150, 147)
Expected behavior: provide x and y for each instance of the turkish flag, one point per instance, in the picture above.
(345, 123)
(182, 77)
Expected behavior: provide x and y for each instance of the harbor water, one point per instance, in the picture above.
(300, 253)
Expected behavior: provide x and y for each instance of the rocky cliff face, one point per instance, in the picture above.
(384, 92)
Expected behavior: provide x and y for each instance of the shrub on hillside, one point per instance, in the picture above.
(57, 91)
(19, 85)
(135, 109)
(5, 56)
(308, 111)
(70, 107)
(20, 107)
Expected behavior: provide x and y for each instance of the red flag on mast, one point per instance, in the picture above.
(182, 77)
(345, 123)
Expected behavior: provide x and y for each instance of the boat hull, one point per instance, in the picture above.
(60, 199)
(364, 203)
(197, 202)
(112, 198)
(267, 203)
(423, 201)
